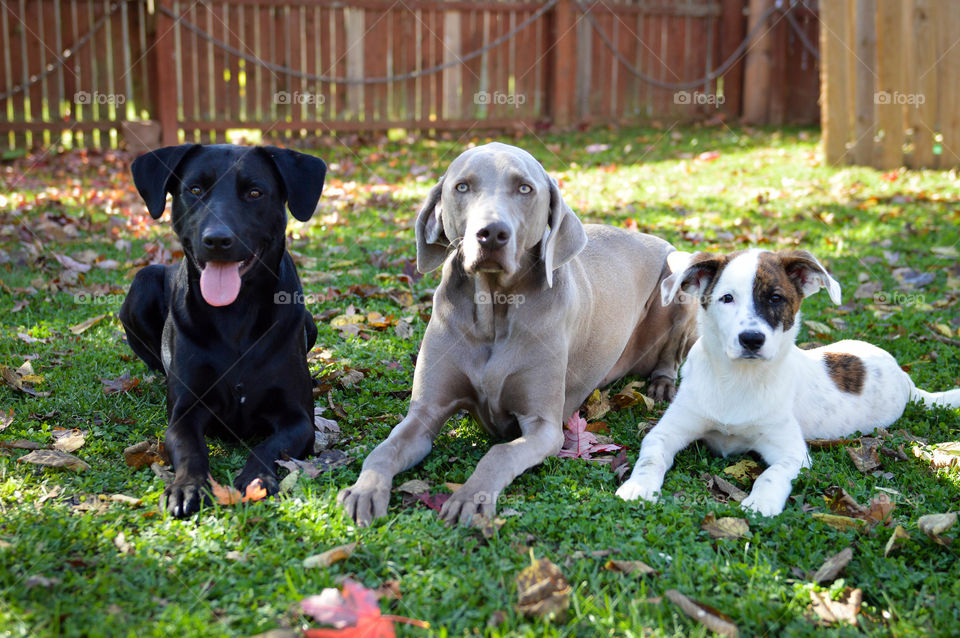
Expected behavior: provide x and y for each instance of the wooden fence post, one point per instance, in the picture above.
(733, 28)
(164, 90)
(834, 80)
(756, 76)
(947, 84)
(922, 81)
(561, 78)
(864, 126)
(890, 88)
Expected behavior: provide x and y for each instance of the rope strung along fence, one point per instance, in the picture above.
(66, 54)
(285, 70)
(712, 75)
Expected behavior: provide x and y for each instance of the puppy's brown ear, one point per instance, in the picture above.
(694, 279)
(808, 274)
(564, 237)
(432, 242)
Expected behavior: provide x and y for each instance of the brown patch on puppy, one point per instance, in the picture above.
(706, 266)
(776, 296)
(846, 371)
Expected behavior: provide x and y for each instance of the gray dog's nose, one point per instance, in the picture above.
(752, 340)
(494, 236)
(217, 239)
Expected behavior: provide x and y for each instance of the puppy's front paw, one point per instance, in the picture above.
(461, 507)
(762, 504)
(367, 499)
(635, 489)
(662, 389)
(185, 497)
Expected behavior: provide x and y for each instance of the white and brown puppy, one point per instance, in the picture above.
(747, 386)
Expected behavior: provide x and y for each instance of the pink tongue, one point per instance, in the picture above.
(220, 282)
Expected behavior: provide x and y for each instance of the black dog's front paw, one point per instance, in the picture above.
(183, 498)
(268, 481)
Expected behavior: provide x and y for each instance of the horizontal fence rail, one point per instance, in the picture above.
(145, 72)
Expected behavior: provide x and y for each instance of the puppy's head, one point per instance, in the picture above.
(749, 301)
(499, 208)
(228, 206)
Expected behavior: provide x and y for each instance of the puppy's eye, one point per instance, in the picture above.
(196, 190)
(525, 189)
(462, 187)
(776, 298)
(255, 193)
(727, 298)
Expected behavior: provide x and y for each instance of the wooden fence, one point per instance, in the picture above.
(90, 72)
(891, 82)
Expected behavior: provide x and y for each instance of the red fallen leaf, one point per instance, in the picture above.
(229, 495)
(433, 501)
(354, 613)
(890, 177)
(708, 156)
(123, 383)
(579, 442)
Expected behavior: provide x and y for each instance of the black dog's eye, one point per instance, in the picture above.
(727, 298)
(462, 187)
(196, 190)
(255, 193)
(776, 298)
(525, 189)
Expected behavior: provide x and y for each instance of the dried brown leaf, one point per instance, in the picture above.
(834, 611)
(832, 567)
(746, 470)
(707, 616)
(939, 455)
(542, 590)
(725, 527)
(934, 525)
(331, 556)
(86, 324)
(145, 453)
(55, 458)
(865, 456)
(68, 440)
(897, 539)
(629, 567)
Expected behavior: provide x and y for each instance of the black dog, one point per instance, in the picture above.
(227, 325)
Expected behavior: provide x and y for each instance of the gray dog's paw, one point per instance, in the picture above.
(461, 507)
(183, 498)
(367, 499)
(662, 389)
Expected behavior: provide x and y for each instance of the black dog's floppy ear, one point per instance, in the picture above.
(152, 173)
(432, 242)
(694, 279)
(564, 236)
(302, 176)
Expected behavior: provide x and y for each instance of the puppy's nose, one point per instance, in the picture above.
(217, 239)
(493, 236)
(752, 340)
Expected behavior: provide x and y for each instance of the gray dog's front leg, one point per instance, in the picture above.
(408, 443)
(498, 467)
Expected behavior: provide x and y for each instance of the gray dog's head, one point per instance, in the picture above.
(498, 206)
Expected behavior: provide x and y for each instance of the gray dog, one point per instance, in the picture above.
(534, 311)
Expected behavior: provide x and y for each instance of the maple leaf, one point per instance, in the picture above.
(228, 495)
(580, 443)
(353, 612)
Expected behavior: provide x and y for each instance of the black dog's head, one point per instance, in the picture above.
(228, 206)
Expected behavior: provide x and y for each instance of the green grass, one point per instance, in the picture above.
(238, 571)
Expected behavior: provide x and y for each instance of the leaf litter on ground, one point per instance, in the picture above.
(353, 612)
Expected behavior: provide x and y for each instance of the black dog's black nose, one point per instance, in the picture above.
(217, 239)
(494, 236)
(752, 340)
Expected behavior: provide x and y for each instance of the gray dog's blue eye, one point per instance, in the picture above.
(463, 187)
(525, 189)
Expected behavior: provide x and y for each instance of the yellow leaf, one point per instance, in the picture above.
(331, 556)
(83, 326)
(746, 470)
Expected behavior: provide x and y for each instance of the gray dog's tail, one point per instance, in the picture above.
(950, 398)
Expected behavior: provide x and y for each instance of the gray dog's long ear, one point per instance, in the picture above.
(302, 176)
(153, 175)
(808, 274)
(564, 236)
(432, 242)
(693, 279)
